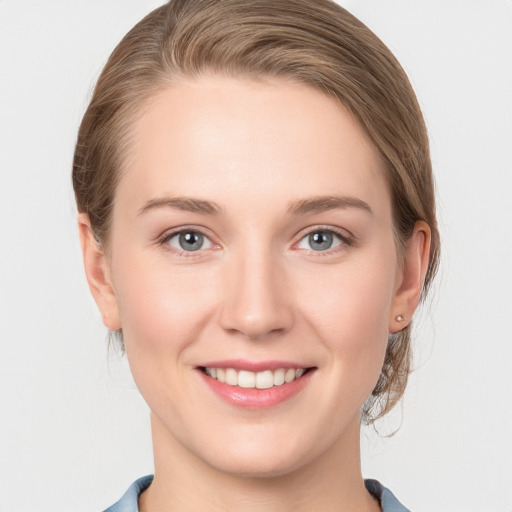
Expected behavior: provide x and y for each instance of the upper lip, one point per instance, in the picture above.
(253, 366)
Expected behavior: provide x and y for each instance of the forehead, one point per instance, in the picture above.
(241, 140)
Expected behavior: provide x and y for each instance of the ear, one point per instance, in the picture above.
(98, 274)
(411, 277)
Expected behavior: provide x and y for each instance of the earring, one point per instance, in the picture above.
(399, 318)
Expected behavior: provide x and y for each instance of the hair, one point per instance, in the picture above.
(318, 44)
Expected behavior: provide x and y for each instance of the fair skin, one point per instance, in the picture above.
(286, 259)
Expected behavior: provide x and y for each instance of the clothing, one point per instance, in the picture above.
(128, 503)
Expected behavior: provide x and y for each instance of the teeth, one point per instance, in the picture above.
(279, 377)
(264, 380)
(231, 377)
(246, 379)
(259, 380)
(289, 375)
(221, 374)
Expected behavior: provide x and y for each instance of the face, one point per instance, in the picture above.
(252, 243)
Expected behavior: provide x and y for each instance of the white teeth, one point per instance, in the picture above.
(260, 380)
(264, 380)
(246, 379)
(279, 377)
(289, 375)
(231, 377)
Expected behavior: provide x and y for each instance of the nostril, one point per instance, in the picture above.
(255, 304)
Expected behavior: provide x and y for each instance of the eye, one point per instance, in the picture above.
(321, 240)
(188, 241)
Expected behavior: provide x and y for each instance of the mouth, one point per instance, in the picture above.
(255, 385)
(246, 379)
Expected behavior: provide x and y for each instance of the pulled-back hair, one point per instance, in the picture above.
(318, 44)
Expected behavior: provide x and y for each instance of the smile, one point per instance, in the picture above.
(260, 380)
(252, 385)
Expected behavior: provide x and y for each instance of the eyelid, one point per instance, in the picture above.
(170, 233)
(346, 237)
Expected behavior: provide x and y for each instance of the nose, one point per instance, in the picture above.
(258, 298)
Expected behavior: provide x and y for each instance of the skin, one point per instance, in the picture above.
(257, 290)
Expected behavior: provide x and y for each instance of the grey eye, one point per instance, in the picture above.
(320, 240)
(189, 241)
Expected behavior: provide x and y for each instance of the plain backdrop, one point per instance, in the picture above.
(74, 431)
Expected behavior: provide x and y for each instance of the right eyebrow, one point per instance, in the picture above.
(319, 204)
(186, 204)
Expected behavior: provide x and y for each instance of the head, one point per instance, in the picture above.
(296, 45)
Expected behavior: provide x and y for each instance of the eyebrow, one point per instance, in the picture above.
(321, 204)
(186, 204)
(311, 205)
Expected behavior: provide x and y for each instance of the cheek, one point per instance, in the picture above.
(163, 311)
(350, 311)
(162, 308)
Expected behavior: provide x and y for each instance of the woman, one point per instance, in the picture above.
(257, 219)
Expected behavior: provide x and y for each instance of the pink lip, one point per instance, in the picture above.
(252, 366)
(252, 398)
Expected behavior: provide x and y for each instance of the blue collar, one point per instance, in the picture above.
(128, 503)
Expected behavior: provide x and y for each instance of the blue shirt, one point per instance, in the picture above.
(128, 503)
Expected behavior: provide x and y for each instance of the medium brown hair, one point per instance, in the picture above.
(318, 44)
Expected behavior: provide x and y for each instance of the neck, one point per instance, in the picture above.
(332, 482)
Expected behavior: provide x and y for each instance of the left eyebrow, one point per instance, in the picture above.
(187, 204)
(321, 204)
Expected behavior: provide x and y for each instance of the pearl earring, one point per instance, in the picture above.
(399, 318)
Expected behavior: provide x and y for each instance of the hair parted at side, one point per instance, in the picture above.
(318, 44)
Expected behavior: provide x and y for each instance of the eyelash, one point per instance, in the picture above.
(163, 241)
(346, 240)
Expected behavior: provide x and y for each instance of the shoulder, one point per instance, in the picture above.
(387, 499)
(128, 503)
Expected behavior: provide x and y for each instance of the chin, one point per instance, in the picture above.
(259, 467)
(269, 456)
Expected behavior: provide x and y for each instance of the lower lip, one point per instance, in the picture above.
(253, 398)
